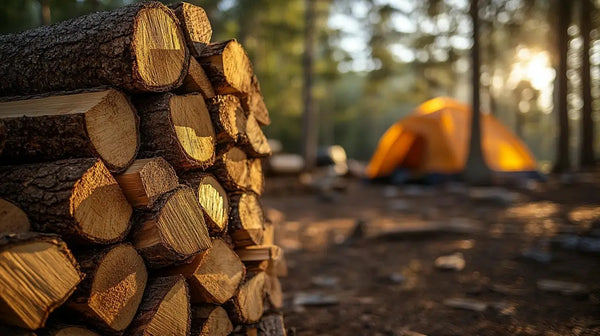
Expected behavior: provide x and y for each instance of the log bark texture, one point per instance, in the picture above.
(88, 51)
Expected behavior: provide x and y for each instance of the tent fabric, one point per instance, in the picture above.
(434, 140)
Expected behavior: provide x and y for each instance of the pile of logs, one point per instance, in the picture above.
(130, 180)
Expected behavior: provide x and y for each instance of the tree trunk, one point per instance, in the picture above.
(178, 129)
(137, 48)
(172, 230)
(228, 67)
(587, 158)
(309, 133)
(45, 14)
(212, 198)
(113, 287)
(12, 218)
(146, 180)
(563, 161)
(195, 25)
(197, 81)
(246, 221)
(214, 275)
(165, 309)
(210, 320)
(38, 274)
(99, 124)
(476, 170)
(69, 197)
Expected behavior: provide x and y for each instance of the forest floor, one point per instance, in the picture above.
(381, 279)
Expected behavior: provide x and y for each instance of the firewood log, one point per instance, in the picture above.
(197, 81)
(12, 218)
(246, 221)
(37, 274)
(253, 102)
(137, 48)
(256, 178)
(231, 169)
(273, 292)
(271, 325)
(247, 306)
(229, 120)
(212, 198)
(146, 180)
(99, 124)
(213, 275)
(228, 67)
(71, 198)
(113, 287)
(256, 144)
(195, 25)
(172, 230)
(259, 252)
(210, 320)
(177, 128)
(165, 309)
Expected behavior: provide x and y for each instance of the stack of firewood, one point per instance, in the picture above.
(130, 177)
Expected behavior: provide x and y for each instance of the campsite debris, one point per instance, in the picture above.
(452, 262)
(563, 287)
(159, 202)
(314, 299)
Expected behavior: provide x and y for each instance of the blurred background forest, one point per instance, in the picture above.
(376, 60)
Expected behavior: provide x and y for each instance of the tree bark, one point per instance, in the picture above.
(178, 129)
(165, 309)
(587, 158)
(104, 48)
(146, 180)
(113, 287)
(66, 197)
(309, 133)
(563, 161)
(39, 273)
(172, 230)
(99, 124)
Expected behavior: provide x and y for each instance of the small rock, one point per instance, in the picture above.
(325, 281)
(468, 304)
(563, 287)
(314, 299)
(452, 262)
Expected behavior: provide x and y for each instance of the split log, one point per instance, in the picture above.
(195, 24)
(37, 274)
(228, 67)
(247, 306)
(273, 292)
(271, 325)
(71, 198)
(231, 169)
(99, 124)
(278, 267)
(177, 128)
(256, 178)
(146, 180)
(213, 275)
(212, 198)
(113, 287)
(137, 48)
(259, 252)
(12, 218)
(172, 230)
(210, 320)
(228, 118)
(68, 330)
(197, 81)
(256, 143)
(165, 309)
(246, 221)
(254, 103)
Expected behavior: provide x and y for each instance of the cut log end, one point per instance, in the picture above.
(213, 199)
(37, 273)
(195, 23)
(256, 177)
(146, 180)
(196, 81)
(92, 194)
(117, 288)
(159, 48)
(175, 231)
(256, 142)
(228, 67)
(228, 117)
(12, 218)
(208, 320)
(213, 275)
(247, 220)
(274, 292)
(232, 169)
(165, 309)
(193, 128)
(248, 305)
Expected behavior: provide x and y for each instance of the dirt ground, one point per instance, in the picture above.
(381, 279)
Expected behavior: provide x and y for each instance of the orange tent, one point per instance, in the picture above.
(434, 140)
